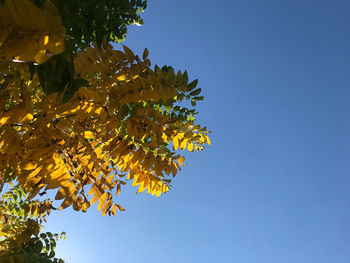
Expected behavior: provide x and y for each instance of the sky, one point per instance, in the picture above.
(274, 186)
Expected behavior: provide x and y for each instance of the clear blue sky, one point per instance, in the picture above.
(274, 187)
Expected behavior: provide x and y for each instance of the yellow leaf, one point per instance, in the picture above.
(181, 135)
(88, 135)
(102, 201)
(93, 190)
(176, 142)
(121, 77)
(66, 203)
(158, 169)
(164, 137)
(30, 166)
(120, 207)
(4, 119)
(95, 198)
(46, 39)
(190, 147)
(85, 206)
(181, 159)
(113, 209)
(183, 144)
(34, 173)
(77, 206)
(134, 183)
(158, 192)
(208, 140)
(31, 27)
(118, 189)
(18, 114)
(106, 207)
(173, 168)
(61, 193)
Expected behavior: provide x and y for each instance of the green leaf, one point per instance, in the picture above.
(192, 85)
(199, 98)
(124, 111)
(181, 96)
(52, 254)
(195, 92)
(145, 54)
(185, 77)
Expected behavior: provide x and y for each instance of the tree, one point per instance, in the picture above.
(81, 118)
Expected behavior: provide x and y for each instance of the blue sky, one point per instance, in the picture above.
(274, 186)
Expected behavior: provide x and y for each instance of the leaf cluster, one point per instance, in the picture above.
(123, 124)
(98, 20)
(21, 221)
(40, 249)
(87, 22)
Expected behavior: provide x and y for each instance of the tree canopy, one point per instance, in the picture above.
(81, 118)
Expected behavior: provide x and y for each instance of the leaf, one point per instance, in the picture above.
(176, 142)
(126, 120)
(118, 189)
(208, 140)
(183, 144)
(181, 159)
(185, 77)
(61, 193)
(106, 207)
(88, 135)
(120, 207)
(67, 202)
(173, 168)
(190, 147)
(85, 206)
(192, 85)
(113, 209)
(35, 36)
(128, 53)
(34, 172)
(145, 54)
(199, 98)
(76, 206)
(195, 92)
(102, 201)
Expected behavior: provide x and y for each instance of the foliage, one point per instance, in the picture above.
(21, 220)
(29, 33)
(98, 20)
(81, 118)
(33, 31)
(122, 122)
(36, 250)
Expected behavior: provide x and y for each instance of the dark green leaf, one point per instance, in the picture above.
(192, 85)
(195, 92)
(199, 98)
